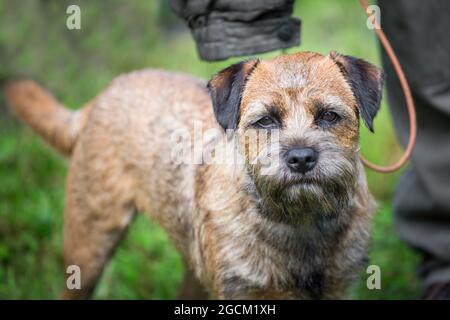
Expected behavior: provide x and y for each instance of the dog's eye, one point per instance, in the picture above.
(266, 122)
(329, 117)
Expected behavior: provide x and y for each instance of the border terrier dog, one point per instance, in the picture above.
(294, 228)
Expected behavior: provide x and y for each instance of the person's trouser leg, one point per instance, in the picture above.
(419, 32)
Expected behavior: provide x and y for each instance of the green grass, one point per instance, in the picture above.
(117, 37)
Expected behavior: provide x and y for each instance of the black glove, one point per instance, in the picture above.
(226, 28)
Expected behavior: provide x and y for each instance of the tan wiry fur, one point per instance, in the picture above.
(223, 218)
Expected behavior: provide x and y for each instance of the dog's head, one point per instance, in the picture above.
(295, 119)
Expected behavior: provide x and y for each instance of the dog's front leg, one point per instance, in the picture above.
(191, 288)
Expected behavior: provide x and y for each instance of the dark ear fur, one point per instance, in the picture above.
(366, 81)
(226, 89)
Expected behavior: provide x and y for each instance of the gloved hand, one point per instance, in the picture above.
(226, 28)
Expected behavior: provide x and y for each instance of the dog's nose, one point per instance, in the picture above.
(301, 159)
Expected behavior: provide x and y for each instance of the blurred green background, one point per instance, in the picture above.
(117, 37)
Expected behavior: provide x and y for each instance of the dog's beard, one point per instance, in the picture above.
(321, 193)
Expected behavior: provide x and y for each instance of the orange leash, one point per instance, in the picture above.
(408, 98)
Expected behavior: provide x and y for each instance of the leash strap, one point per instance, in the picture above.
(408, 98)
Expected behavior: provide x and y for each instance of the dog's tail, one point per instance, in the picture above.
(34, 105)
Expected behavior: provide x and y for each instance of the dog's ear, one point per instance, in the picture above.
(366, 82)
(226, 89)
